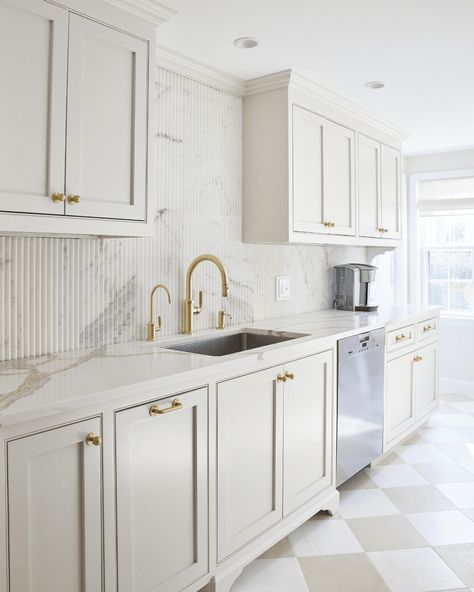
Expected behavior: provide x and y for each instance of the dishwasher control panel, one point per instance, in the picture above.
(358, 344)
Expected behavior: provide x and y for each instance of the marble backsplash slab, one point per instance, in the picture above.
(58, 294)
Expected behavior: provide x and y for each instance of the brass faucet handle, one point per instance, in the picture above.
(221, 315)
(197, 309)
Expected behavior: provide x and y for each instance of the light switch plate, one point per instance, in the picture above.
(283, 287)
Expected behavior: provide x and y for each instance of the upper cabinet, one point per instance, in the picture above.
(317, 170)
(77, 132)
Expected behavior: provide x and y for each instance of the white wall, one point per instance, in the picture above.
(62, 294)
(456, 337)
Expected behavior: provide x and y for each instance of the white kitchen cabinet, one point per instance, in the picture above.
(162, 493)
(307, 431)
(76, 120)
(390, 163)
(426, 380)
(249, 458)
(55, 510)
(33, 63)
(399, 398)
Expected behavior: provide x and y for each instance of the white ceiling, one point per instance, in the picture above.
(422, 49)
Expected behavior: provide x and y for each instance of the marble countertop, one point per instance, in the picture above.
(35, 387)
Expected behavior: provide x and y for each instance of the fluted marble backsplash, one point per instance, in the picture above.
(62, 294)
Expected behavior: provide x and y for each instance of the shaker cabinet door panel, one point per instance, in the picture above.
(369, 187)
(391, 191)
(33, 63)
(54, 511)
(249, 456)
(106, 158)
(426, 380)
(399, 402)
(162, 494)
(307, 432)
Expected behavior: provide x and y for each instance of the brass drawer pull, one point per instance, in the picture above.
(73, 199)
(401, 337)
(427, 328)
(281, 378)
(418, 359)
(93, 440)
(329, 224)
(58, 197)
(156, 410)
(290, 375)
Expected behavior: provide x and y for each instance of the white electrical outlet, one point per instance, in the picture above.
(283, 287)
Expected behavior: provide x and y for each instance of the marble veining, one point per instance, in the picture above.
(61, 294)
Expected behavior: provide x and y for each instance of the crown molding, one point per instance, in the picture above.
(170, 60)
(291, 79)
(151, 10)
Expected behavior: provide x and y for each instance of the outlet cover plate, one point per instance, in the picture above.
(283, 287)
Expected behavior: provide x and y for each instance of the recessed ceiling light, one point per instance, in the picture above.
(375, 84)
(245, 42)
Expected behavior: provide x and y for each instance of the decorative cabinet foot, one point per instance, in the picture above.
(332, 507)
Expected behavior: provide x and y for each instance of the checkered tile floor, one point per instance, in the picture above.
(406, 525)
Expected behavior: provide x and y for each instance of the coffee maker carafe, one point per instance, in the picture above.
(354, 287)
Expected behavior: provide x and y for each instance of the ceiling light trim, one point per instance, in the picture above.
(290, 78)
(151, 10)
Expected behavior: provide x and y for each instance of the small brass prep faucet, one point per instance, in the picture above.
(151, 327)
(189, 307)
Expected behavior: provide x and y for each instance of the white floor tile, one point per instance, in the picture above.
(456, 420)
(469, 465)
(461, 494)
(435, 435)
(272, 575)
(444, 528)
(414, 570)
(366, 502)
(396, 476)
(324, 537)
(465, 407)
(421, 453)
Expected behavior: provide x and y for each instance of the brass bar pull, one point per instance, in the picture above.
(58, 197)
(418, 359)
(401, 337)
(156, 410)
(73, 199)
(427, 328)
(281, 378)
(93, 439)
(290, 375)
(329, 224)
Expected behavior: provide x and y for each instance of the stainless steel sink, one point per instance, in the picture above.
(244, 340)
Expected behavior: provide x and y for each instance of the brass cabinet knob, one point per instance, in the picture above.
(418, 359)
(73, 199)
(93, 439)
(290, 375)
(281, 378)
(58, 197)
(427, 328)
(157, 410)
(329, 224)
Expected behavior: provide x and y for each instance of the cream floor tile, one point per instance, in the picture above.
(461, 494)
(278, 551)
(359, 481)
(449, 527)
(324, 538)
(421, 453)
(414, 570)
(444, 472)
(460, 559)
(341, 573)
(396, 476)
(366, 502)
(457, 450)
(436, 435)
(391, 459)
(422, 498)
(271, 575)
(386, 533)
(458, 420)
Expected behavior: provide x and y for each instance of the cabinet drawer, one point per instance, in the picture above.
(427, 329)
(400, 338)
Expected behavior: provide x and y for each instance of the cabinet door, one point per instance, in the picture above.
(249, 456)
(338, 179)
(307, 431)
(106, 122)
(54, 511)
(399, 401)
(33, 63)
(391, 191)
(426, 380)
(369, 187)
(307, 171)
(162, 494)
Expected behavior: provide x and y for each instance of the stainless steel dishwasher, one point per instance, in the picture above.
(360, 402)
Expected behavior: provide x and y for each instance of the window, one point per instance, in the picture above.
(445, 238)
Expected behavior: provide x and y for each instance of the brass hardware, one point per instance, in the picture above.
(221, 315)
(401, 337)
(290, 375)
(427, 328)
(189, 307)
(382, 230)
(156, 410)
(281, 378)
(418, 359)
(385, 229)
(329, 224)
(93, 439)
(151, 327)
(73, 199)
(58, 197)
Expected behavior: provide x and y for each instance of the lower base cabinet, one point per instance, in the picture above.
(54, 510)
(162, 493)
(274, 446)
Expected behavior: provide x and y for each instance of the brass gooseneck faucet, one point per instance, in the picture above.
(152, 328)
(190, 308)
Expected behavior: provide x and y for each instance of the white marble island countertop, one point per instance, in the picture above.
(45, 385)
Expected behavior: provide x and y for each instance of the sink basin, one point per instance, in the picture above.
(224, 345)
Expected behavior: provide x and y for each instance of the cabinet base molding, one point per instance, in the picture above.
(389, 446)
